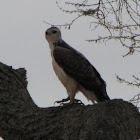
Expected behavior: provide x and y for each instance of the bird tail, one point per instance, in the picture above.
(102, 96)
(99, 96)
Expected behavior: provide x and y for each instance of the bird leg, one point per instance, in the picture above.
(63, 100)
(67, 99)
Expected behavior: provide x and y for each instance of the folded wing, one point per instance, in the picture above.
(80, 69)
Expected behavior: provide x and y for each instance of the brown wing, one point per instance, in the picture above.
(79, 68)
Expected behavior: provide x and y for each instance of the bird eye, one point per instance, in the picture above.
(54, 32)
(46, 33)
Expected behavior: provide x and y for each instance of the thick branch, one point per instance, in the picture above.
(21, 119)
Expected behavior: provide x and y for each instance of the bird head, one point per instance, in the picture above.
(53, 34)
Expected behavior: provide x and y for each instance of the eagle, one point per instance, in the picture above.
(74, 71)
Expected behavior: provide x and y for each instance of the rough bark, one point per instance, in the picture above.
(21, 119)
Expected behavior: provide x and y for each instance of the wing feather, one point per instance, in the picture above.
(78, 67)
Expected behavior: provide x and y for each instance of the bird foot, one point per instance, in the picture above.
(76, 101)
(62, 102)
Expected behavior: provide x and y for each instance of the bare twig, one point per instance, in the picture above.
(135, 83)
(67, 25)
(136, 100)
(121, 18)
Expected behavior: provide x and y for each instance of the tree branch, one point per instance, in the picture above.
(121, 18)
(21, 119)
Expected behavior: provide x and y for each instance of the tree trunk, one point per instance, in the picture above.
(21, 119)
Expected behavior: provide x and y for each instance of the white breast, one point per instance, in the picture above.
(59, 71)
(69, 83)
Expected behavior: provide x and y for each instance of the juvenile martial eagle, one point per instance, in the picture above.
(74, 71)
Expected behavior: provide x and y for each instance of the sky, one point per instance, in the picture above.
(23, 44)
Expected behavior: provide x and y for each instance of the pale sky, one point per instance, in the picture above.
(23, 44)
